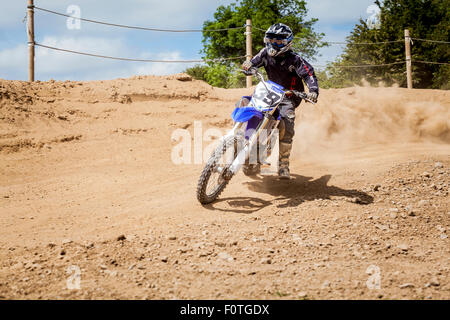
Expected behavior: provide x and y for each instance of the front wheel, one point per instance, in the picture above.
(215, 175)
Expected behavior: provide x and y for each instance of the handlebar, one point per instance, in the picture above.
(301, 95)
(255, 72)
(250, 72)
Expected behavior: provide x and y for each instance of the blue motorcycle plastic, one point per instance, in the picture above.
(249, 143)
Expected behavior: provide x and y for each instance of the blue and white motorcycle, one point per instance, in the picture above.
(250, 142)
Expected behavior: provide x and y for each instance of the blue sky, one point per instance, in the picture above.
(336, 20)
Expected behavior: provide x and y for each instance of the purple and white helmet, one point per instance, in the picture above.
(278, 39)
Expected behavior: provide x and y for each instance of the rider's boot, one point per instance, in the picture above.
(285, 152)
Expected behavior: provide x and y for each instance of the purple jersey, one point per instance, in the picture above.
(288, 71)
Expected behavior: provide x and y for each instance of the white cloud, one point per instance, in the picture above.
(161, 68)
(13, 57)
(49, 61)
(63, 65)
(156, 13)
(51, 30)
(335, 20)
(338, 12)
(12, 13)
(330, 53)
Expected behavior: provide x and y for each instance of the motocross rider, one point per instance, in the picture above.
(287, 68)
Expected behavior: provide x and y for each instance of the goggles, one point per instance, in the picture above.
(274, 40)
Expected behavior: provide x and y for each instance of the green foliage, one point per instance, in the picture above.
(426, 19)
(197, 72)
(263, 13)
(442, 76)
(217, 75)
(231, 43)
(236, 79)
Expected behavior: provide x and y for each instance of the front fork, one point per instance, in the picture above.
(244, 154)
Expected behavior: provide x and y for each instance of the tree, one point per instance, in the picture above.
(426, 19)
(231, 43)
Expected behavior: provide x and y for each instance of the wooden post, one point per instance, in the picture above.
(30, 29)
(248, 33)
(408, 59)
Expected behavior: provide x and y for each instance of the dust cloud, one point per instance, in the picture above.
(358, 117)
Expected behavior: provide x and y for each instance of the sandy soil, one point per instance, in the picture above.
(87, 184)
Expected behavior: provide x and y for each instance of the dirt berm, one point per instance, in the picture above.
(89, 192)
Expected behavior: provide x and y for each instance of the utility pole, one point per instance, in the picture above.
(408, 59)
(248, 33)
(30, 30)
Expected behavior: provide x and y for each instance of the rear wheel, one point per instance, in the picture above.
(215, 175)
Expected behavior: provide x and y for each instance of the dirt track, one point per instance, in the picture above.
(83, 163)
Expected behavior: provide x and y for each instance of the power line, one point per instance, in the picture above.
(444, 63)
(366, 65)
(343, 43)
(364, 43)
(347, 43)
(367, 43)
(134, 27)
(224, 29)
(221, 59)
(380, 65)
(210, 60)
(427, 40)
(137, 60)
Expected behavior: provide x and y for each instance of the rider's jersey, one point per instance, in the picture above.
(288, 71)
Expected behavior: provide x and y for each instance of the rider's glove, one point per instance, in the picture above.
(312, 96)
(246, 65)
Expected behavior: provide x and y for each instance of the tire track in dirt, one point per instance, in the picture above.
(368, 189)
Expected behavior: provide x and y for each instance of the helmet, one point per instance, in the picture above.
(278, 39)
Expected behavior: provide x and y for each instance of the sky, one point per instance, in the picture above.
(336, 20)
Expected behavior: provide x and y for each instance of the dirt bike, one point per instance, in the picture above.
(249, 142)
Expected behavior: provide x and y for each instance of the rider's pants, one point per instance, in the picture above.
(287, 111)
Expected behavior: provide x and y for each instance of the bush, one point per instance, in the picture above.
(197, 72)
(218, 75)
